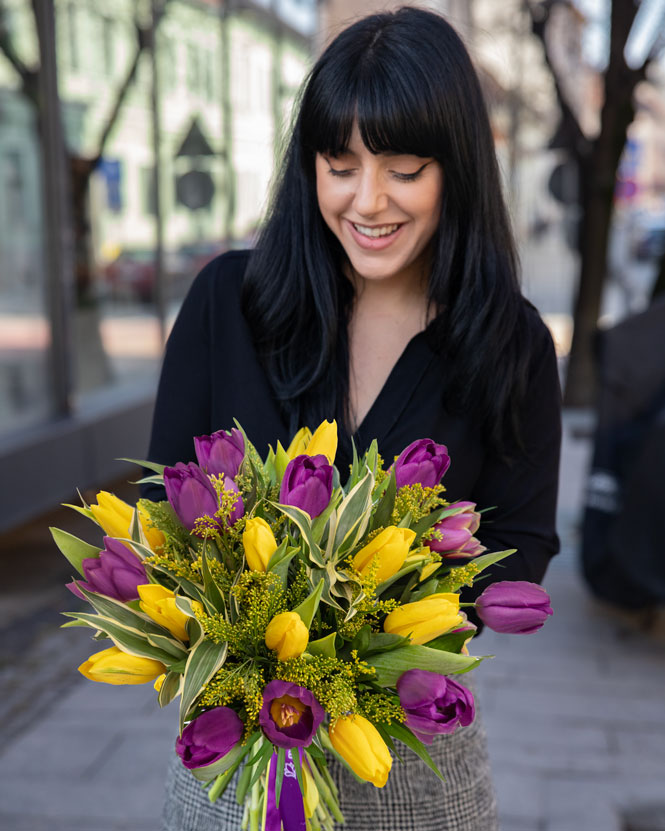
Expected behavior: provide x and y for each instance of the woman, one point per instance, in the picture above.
(383, 291)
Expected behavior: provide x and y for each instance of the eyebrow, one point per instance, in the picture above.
(389, 155)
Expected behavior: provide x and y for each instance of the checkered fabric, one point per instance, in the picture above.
(413, 800)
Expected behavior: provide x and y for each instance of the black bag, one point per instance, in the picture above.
(623, 538)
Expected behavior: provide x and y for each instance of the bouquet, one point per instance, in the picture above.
(296, 619)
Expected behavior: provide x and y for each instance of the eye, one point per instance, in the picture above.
(335, 172)
(408, 177)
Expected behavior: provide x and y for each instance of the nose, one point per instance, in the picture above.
(370, 196)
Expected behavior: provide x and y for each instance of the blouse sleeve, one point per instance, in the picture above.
(182, 407)
(523, 493)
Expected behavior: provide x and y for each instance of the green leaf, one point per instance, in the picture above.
(361, 639)
(307, 609)
(390, 665)
(169, 688)
(279, 773)
(485, 560)
(382, 516)
(238, 753)
(211, 588)
(127, 639)
(384, 642)
(122, 614)
(243, 782)
(302, 520)
(404, 735)
(262, 763)
(295, 758)
(352, 516)
(142, 463)
(168, 645)
(452, 642)
(74, 549)
(203, 662)
(85, 511)
(323, 646)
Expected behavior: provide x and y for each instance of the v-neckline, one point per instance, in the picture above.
(396, 391)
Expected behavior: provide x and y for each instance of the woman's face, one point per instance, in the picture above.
(384, 209)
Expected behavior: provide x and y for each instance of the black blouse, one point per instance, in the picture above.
(211, 375)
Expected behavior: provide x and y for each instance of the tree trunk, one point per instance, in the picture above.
(597, 180)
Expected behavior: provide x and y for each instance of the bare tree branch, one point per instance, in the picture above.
(540, 13)
(28, 75)
(144, 37)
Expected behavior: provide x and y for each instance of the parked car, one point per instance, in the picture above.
(132, 273)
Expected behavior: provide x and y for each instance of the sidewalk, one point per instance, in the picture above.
(575, 714)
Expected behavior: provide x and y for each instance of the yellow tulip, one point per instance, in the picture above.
(324, 441)
(113, 666)
(159, 604)
(115, 517)
(287, 635)
(299, 442)
(310, 791)
(259, 543)
(390, 548)
(424, 620)
(159, 682)
(360, 744)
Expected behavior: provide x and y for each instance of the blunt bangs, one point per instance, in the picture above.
(375, 85)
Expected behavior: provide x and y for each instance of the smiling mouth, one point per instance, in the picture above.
(377, 231)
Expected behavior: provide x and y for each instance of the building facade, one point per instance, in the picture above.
(184, 160)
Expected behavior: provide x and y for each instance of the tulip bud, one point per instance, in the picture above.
(433, 703)
(287, 635)
(457, 540)
(190, 493)
(424, 620)
(514, 607)
(423, 461)
(389, 549)
(209, 737)
(324, 441)
(307, 484)
(221, 452)
(115, 517)
(299, 443)
(159, 604)
(360, 744)
(112, 666)
(259, 543)
(116, 572)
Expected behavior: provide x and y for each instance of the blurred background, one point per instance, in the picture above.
(139, 138)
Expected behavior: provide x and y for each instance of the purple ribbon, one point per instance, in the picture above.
(290, 815)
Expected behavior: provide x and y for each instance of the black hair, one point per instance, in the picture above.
(408, 80)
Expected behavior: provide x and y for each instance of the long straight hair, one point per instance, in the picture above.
(408, 81)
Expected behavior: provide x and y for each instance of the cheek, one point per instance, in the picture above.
(331, 198)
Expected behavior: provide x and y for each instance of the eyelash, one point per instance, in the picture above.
(401, 177)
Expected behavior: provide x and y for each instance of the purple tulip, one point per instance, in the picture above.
(290, 715)
(307, 484)
(190, 493)
(116, 573)
(458, 541)
(209, 737)
(423, 461)
(221, 452)
(514, 607)
(433, 703)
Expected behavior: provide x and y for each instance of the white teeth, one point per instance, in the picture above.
(382, 231)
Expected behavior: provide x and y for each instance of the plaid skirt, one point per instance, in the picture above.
(413, 800)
